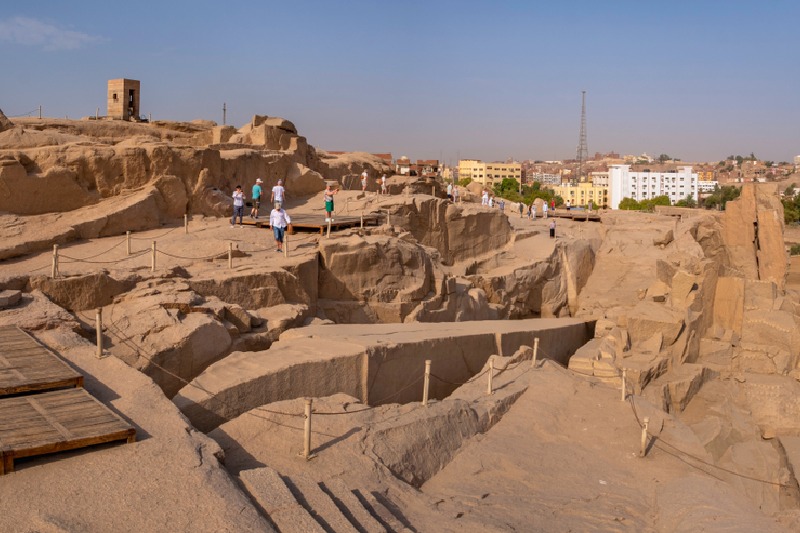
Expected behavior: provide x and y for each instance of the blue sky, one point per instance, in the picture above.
(488, 80)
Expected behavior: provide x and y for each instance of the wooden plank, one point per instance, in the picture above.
(56, 421)
(26, 365)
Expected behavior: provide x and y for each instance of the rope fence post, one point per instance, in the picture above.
(489, 389)
(643, 449)
(285, 244)
(427, 383)
(328, 236)
(98, 324)
(535, 351)
(624, 384)
(54, 270)
(307, 432)
(433, 190)
(128, 241)
(186, 223)
(362, 219)
(388, 218)
(153, 258)
(230, 256)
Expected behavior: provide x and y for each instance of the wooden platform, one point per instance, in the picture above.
(26, 365)
(577, 216)
(55, 421)
(318, 223)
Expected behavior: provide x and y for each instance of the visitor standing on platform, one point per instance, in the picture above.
(238, 206)
(328, 197)
(544, 210)
(256, 198)
(278, 193)
(279, 219)
(553, 229)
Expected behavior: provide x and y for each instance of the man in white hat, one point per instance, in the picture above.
(278, 193)
(256, 198)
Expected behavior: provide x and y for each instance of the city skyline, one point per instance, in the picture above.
(435, 80)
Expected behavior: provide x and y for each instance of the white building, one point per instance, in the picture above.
(676, 185)
(707, 186)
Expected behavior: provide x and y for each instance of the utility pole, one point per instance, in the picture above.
(583, 151)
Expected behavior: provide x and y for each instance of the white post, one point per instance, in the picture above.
(230, 256)
(388, 218)
(643, 449)
(535, 351)
(153, 258)
(128, 240)
(427, 382)
(97, 113)
(186, 223)
(40, 112)
(362, 219)
(328, 236)
(98, 324)
(286, 244)
(433, 190)
(624, 385)
(489, 390)
(307, 431)
(54, 270)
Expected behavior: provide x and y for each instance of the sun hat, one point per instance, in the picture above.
(258, 180)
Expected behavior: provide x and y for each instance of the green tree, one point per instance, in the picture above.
(465, 182)
(721, 196)
(689, 201)
(629, 204)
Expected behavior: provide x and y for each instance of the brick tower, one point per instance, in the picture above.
(123, 99)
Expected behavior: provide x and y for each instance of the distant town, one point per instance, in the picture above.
(607, 180)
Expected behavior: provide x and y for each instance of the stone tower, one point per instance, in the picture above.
(123, 99)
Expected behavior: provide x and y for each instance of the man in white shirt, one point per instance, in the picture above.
(383, 184)
(364, 176)
(279, 219)
(278, 193)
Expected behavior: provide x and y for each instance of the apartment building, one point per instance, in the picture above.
(580, 194)
(487, 174)
(645, 185)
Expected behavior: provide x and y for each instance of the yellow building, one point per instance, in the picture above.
(487, 174)
(497, 172)
(580, 194)
(473, 169)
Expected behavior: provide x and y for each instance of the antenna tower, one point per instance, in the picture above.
(583, 151)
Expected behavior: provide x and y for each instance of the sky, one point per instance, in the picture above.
(491, 80)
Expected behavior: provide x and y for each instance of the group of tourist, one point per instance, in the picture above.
(279, 219)
(365, 178)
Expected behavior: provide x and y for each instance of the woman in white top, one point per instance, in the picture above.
(279, 219)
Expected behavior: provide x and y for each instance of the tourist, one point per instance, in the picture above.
(521, 209)
(256, 198)
(569, 205)
(383, 184)
(501, 205)
(329, 201)
(455, 194)
(532, 211)
(450, 191)
(491, 202)
(279, 219)
(364, 176)
(544, 210)
(553, 204)
(553, 229)
(238, 206)
(485, 197)
(278, 193)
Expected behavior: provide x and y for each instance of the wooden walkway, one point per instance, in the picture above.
(55, 421)
(26, 365)
(34, 422)
(318, 223)
(577, 216)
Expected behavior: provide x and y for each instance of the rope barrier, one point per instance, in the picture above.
(77, 260)
(155, 238)
(193, 258)
(658, 440)
(96, 255)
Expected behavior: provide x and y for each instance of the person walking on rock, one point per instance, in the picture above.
(532, 211)
(455, 194)
(256, 198)
(521, 209)
(364, 176)
(279, 219)
(485, 197)
(553, 229)
(544, 210)
(328, 197)
(238, 206)
(383, 184)
(450, 191)
(278, 193)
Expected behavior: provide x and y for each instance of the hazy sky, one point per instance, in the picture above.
(427, 79)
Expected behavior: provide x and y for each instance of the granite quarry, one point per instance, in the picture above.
(212, 344)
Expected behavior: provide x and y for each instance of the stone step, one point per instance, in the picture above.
(380, 507)
(319, 504)
(674, 390)
(349, 504)
(269, 491)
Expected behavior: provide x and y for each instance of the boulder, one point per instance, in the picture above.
(78, 293)
(648, 318)
(9, 298)
(5, 124)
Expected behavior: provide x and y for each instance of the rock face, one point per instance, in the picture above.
(5, 124)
